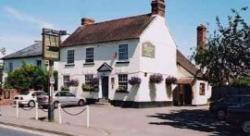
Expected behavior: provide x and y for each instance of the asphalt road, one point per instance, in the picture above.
(11, 132)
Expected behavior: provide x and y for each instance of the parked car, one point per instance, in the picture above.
(63, 97)
(219, 108)
(239, 115)
(28, 97)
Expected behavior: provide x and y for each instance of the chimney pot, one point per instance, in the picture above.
(158, 7)
(87, 21)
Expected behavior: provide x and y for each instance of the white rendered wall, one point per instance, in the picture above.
(164, 62)
(103, 53)
(201, 99)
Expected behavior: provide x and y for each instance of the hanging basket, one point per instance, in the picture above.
(155, 79)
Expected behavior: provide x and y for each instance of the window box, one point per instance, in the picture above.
(122, 90)
(70, 65)
(122, 62)
(89, 64)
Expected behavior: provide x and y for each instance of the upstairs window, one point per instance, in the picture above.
(71, 57)
(89, 55)
(10, 67)
(123, 52)
(123, 81)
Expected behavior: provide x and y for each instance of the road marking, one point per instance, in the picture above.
(28, 131)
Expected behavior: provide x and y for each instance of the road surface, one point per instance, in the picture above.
(13, 131)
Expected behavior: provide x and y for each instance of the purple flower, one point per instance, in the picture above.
(134, 81)
(156, 78)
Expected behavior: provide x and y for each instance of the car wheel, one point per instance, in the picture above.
(56, 104)
(81, 103)
(221, 114)
(246, 126)
(31, 104)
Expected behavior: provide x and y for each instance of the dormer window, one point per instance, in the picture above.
(123, 52)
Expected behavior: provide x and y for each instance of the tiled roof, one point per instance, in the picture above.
(114, 30)
(30, 51)
(188, 65)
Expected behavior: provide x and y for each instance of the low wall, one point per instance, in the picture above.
(7, 95)
(220, 92)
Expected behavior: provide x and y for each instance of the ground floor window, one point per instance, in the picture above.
(88, 78)
(123, 81)
(202, 88)
(66, 80)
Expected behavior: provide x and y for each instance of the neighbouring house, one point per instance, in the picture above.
(29, 55)
(131, 61)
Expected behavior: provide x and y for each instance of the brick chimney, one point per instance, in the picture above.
(87, 21)
(158, 7)
(201, 36)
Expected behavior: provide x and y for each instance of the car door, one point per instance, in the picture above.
(59, 97)
(71, 98)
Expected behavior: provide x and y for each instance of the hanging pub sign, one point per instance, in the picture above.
(51, 43)
(148, 50)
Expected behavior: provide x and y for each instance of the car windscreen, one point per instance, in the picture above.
(24, 92)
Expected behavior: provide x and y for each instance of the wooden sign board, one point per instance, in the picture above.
(51, 42)
(148, 50)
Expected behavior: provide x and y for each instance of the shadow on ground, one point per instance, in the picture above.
(199, 120)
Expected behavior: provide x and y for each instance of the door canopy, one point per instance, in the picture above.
(105, 68)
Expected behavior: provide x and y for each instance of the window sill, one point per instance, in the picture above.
(69, 65)
(123, 62)
(89, 64)
(122, 91)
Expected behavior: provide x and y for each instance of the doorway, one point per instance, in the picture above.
(183, 95)
(105, 87)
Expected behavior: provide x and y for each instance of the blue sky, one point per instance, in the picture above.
(21, 20)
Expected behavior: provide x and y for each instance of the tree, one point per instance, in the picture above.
(27, 77)
(226, 56)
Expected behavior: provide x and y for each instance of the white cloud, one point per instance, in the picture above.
(27, 18)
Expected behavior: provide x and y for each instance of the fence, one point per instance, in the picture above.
(60, 109)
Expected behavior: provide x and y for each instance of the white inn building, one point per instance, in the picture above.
(139, 46)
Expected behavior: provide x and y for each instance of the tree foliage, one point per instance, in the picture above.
(226, 57)
(27, 77)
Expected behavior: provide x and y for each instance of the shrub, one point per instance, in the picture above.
(155, 78)
(91, 86)
(121, 89)
(64, 88)
(73, 83)
(134, 81)
(88, 88)
(170, 80)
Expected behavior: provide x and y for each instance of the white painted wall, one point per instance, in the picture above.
(201, 99)
(103, 53)
(164, 62)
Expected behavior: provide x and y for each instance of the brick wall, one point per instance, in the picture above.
(7, 96)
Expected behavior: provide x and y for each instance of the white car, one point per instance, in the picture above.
(28, 98)
(63, 97)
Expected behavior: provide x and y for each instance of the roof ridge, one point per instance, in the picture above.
(129, 17)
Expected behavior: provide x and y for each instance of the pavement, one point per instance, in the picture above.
(106, 120)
